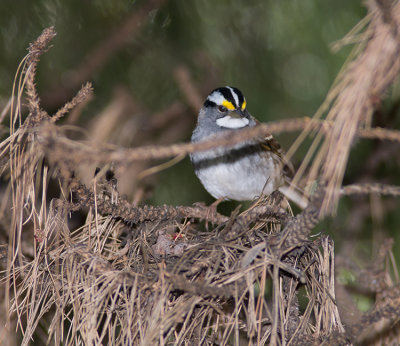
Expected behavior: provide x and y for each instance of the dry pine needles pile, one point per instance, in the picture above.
(151, 274)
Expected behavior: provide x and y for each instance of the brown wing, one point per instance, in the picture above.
(269, 143)
(297, 195)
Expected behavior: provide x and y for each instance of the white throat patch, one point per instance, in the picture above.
(232, 123)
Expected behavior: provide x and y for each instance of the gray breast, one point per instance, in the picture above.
(243, 172)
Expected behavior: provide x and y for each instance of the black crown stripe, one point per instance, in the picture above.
(228, 95)
(209, 103)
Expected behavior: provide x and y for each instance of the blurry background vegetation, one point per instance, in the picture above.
(277, 52)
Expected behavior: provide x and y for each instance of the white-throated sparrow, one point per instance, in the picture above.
(246, 170)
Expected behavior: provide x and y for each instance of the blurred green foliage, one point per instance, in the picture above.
(277, 52)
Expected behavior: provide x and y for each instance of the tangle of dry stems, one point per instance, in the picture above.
(147, 275)
(353, 100)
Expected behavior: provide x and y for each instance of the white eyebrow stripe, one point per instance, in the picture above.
(216, 97)
(232, 123)
(234, 96)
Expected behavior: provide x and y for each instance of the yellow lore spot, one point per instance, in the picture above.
(244, 105)
(228, 105)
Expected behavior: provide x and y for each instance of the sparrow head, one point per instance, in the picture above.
(227, 107)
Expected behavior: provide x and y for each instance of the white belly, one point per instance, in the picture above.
(243, 179)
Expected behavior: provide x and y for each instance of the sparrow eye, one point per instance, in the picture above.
(222, 109)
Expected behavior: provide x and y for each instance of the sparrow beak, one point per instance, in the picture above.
(237, 114)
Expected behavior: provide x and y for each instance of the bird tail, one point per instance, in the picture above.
(295, 195)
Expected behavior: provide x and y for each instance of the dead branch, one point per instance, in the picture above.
(36, 49)
(380, 189)
(83, 95)
(79, 151)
